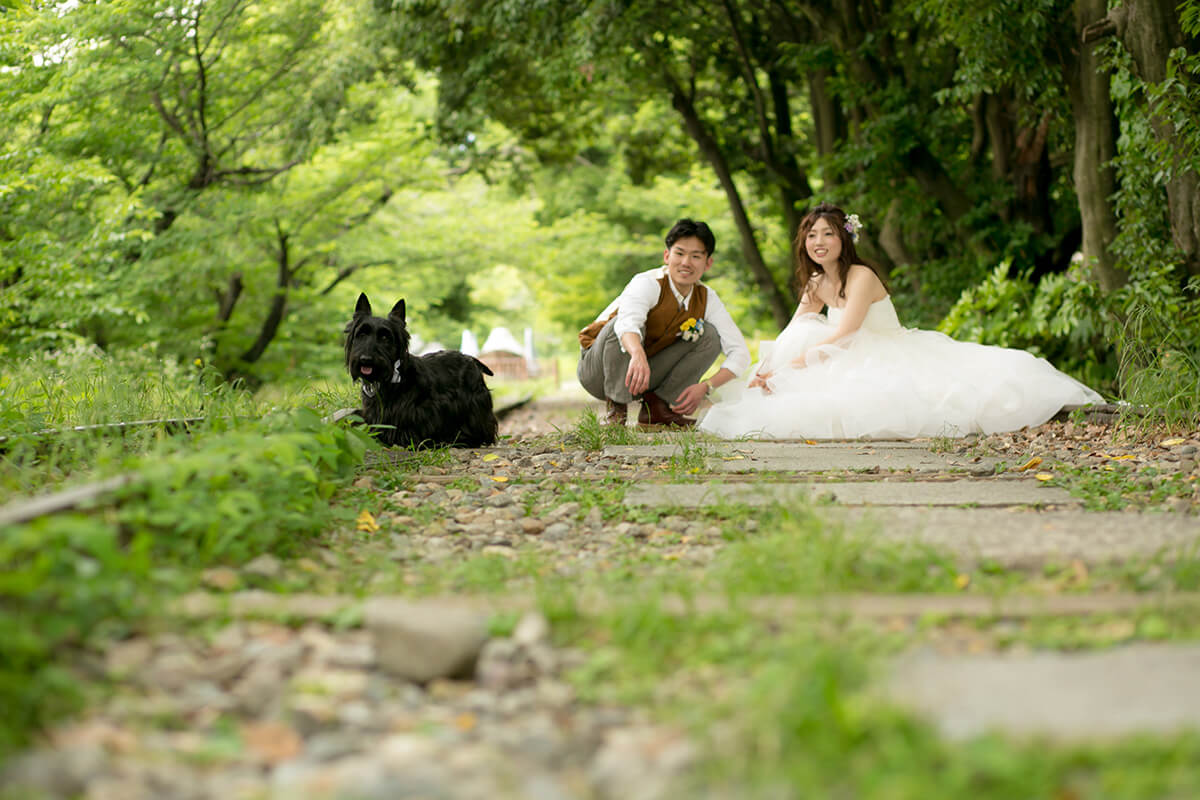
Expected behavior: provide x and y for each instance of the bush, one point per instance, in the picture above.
(1064, 319)
(226, 498)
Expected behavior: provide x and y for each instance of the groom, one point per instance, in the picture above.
(660, 335)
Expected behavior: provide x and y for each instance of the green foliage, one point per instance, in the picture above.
(1062, 318)
(192, 177)
(1138, 343)
(224, 498)
(1160, 346)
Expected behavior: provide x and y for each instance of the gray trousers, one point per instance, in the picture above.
(602, 366)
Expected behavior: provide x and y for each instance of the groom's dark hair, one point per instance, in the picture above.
(688, 227)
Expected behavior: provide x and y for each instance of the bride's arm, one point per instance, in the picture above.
(809, 304)
(863, 288)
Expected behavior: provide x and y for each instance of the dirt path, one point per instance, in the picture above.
(328, 677)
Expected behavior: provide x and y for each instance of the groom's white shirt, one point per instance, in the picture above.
(641, 294)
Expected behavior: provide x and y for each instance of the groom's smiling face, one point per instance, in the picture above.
(687, 260)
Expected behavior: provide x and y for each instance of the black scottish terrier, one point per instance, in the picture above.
(426, 401)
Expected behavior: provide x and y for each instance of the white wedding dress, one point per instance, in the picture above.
(885, 381)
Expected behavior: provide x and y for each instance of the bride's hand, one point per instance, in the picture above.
(811, 356)
(759, 381)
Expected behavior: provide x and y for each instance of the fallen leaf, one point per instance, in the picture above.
(1171, 442)
(366, 522)
(500, 479)
(222, 578)
(733, 458)
(466, 722)
(1044, 476)
(962, 580)
(1030, 464)
(809, 441)
(271, 742)
(490, 457)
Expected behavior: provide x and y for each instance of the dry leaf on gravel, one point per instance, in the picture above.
(271, 742)
(366, 522)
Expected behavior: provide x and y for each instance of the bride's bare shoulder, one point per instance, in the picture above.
(862, 277)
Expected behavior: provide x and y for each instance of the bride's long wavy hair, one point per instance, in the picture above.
(807, 269)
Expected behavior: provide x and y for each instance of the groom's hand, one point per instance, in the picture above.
(637, 377)
(689, 400)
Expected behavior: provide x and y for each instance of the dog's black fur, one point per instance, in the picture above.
(426, 401)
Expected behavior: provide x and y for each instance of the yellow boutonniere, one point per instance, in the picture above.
(691, 329)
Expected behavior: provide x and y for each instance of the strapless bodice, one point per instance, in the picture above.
(881, 316)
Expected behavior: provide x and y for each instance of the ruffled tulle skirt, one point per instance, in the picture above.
(890, 382)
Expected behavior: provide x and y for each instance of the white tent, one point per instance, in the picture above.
(500, 340)
(470, 345)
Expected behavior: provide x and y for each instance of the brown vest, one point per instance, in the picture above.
(662, 321)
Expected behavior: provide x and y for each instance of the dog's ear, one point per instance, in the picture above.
(363, 307)
(397, 312)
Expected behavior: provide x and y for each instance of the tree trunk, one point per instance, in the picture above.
(891, 239)
(931, 176)
(1149, 30)
(829, 123)
(795, 187)
(274, 318)
(776, 300)
(1095, 147)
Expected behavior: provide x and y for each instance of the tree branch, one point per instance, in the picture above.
(227, 299)
(350, 269)
(274, 318)
(1111, 25)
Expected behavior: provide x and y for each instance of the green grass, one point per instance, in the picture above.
(1121, 486)
(251, 480)
(1160, 363)
(787, 709)
(591, 434)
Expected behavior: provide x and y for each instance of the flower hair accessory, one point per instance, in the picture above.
(853, 226)
(691, 329)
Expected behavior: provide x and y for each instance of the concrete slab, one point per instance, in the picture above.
(1141, 688)
(876, 493)
(763, 449)
(778, 457)
(778, 608)
(1027, 538)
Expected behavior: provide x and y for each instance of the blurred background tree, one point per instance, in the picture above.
(218, 180)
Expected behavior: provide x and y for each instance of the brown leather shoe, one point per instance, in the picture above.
(656, 412)
(615, 413)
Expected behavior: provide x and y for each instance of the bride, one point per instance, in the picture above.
(859, 373)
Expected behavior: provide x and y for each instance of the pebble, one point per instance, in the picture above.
(264, 566)
(556, 532)
(423, 641)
